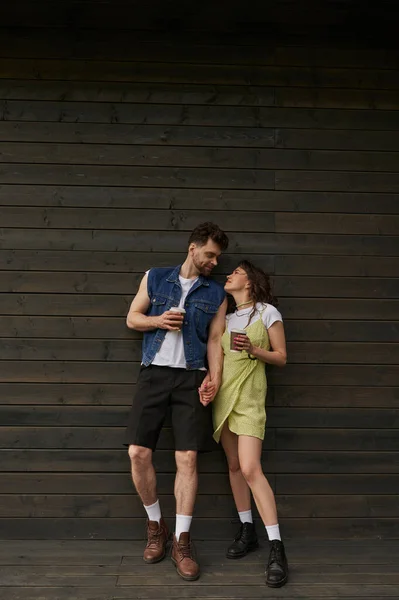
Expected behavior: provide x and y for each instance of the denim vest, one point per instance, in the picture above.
(201, 304)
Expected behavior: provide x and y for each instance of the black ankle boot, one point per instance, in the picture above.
(245, 541)
(277, 565)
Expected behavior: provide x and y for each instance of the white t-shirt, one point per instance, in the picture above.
(171, 353)
(239, 318)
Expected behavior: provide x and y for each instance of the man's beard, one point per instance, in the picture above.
(202, 269)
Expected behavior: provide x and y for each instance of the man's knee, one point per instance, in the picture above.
(186, 461)
(139, 456)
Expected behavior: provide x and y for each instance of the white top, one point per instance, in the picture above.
(171, 353)
(239, 318)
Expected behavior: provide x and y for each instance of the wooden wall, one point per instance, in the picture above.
(113, 146)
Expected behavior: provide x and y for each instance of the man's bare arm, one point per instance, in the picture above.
(212, 381)
(138, 320)
(214, 346)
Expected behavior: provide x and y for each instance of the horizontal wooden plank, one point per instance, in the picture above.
(215, 572)
(117, 306)
(65, 304)
(303, 438)
(336, 181)
(83, 327)
(171, 114)
(102, 593)
(370, 440)
(333, 223)
(69, 218)
(187, 199)
(175, 241)
(159, 135)
(209, 483)
(232, 137)
(107, 328)
(342, 352)
(330, 483)
(119, 506)
(338, 396)
(365, 266)
(338, 139)
(154, 45)
(274, 461)
(77, 260)
(143, 176)
(279, 417)
(128, 283)
(219, 95)
(150, 220)
(105, 154)
(338, 308)
(116, 372)
(332, 98)
(107, 483)
(336, 375)
(131, 350)
(44, 393)
(154, 72)
(202, 529)
(121, 395)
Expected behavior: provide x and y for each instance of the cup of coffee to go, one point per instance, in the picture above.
(233, 334)
(180, 311)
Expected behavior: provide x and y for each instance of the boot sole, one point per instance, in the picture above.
(249, 549)
(185, 577)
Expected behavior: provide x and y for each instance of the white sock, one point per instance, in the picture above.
(153, 511)
(183, 523)
(273, 532)
(246, 516)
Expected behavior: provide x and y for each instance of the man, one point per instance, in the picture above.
(173, 369)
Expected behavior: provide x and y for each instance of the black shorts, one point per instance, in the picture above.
(160, 389)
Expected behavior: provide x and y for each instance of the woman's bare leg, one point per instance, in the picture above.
(249, 454)
(239, 486)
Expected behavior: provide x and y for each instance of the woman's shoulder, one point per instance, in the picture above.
(269, 313)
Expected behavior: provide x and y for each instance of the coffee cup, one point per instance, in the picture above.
(181, 311)
(233, 334)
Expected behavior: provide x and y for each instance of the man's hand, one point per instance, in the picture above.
(170, 320)
(208, 390)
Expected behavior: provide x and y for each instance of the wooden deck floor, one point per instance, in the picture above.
(108, 570)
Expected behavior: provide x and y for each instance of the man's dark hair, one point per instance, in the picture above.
(205, 231)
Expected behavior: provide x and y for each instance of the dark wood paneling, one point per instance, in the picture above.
(114, 146)
(171, 114)
(130, 350)
(197, 73)
(173, 198)
(121, 506)
(114, 328)
(309, 97)
(124, 283)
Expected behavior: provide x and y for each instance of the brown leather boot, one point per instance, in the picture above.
(182, 557)
(157, 537)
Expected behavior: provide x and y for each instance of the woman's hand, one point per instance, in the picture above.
(242, 342)
(208, 390)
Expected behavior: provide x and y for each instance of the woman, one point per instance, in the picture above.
(239, 409)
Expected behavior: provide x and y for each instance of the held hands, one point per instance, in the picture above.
(172, 321)
(242, 342)
(208, 390)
